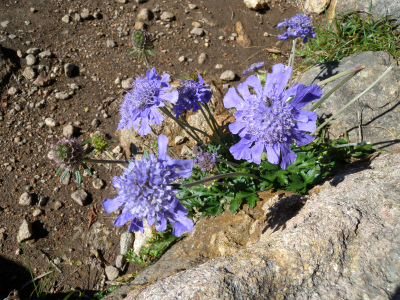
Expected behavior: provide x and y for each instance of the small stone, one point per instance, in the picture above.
(12, 36)
(122, 1)
(25, 231)
(77, 17)
(197, 31)
(167, 16)
(20, 54)
(50, 122)
(66, 19)
(25, 199)
(33, 51)
(117, 150)
(120, 261)
(126, 242)
(202, 58)
(45, 54)
(97, 15)
(57, 204)
(41, 80)
(33, 10)
(219, 66)
(42, 201)
(111, 272)
(110, 44)
(37, 212)
(228, 75)
(144, 15)
(95, 123)
(12, 91)
(196, 24)
(66, 179)
(127, 83)
(62, 95)
(69, 131)
(98, 184)
(182, 59)
(85, 14)
(192, 6)
(179, 140)
(18, 251)
(117, 81)
(30, 60)
(256, 4)
(186, 151)
(79, 196)
(68, 69)
(4, 24)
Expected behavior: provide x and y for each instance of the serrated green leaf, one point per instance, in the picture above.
(297, 184)
(78, 177)
(235, 204)
(282, 177)
(252, 199)
(63, 175)
(58, 171)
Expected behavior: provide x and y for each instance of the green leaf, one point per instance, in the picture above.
(78, 177)
(282, 178)
(252, 199)
(150, 52)
(90, 149)
(59, 171)
(63, 175)
(235, 204)
(87, 170)
(297, 184)
(85, 142)
(140, 55)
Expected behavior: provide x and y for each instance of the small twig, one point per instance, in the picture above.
(36, 278)
(50, 261)
(233, 14)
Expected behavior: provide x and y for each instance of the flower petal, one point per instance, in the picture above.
(111, 205)
(136, 225)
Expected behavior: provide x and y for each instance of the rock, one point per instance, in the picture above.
(24, 232)
(141, 238)
(25, 199)
(122, 1)
(77, 17)
(95, 123)
(4, 24)
(69, 131)
(66, 19)
(33, 10)
(144, 15)
(227, 76)
(58, 204)
(45, 54)
(41, 81)
(186, 151)
(127, 83)
(182, 59)
(256, 4)
(192, 6)
(98, 184)
(85, 15)
(117, 150)
(202, 58)
(316, 6)
(342, 242)
(50, 122)
(242, 38)
(37, 212)
(79, 197)
(167, 16)
(218, 66)
(374, 112)
(197, 31)
(66, 180)
(29, 73)
(110, 44)
(126, 242)
(111, 272)
(120, 261)
(69, 69)
(30, 60)
(33, 51)
(62, 95)
(12, 91)
(179, 140)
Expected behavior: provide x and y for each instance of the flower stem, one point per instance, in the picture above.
(146, 59)
(110, 156)
(104, 161)
(359, 68)
(218, 128)
(216, 134)
(229, 163)
(191, 184)
(291, 60)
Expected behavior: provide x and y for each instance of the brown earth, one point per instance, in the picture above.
(67, 231)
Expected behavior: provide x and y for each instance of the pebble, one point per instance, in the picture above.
(182, 59)
(68, 69)
(228, 75)
(167, 16)
(111, 272)
(25, 231)
(196, 24)
(30, 60)
(42, 201)
(126, 242)
(197, 31)
(33, 10)
(110, 44)
(127, 83)
(20, 54)
(4, 24)
(57, 205)
(219, 66)
(144, 15)
(79, 197)
(66, 179)
(66, 19)
(77, 17)
(85, 14)
(120, 261)
(122, 1)
(41, 80)
(33, 51)
(12, 91)
(25, 199)
(12, 36)
(29, 73)
(45, 54)
(50, 122)
(186, 151)
(117, 150)
(37, 212)
(69, 131)
(95, 123)
(202, 58)
(62, 95)
(98, 184)
(192, 6)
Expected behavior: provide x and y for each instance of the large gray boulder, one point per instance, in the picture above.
(344, 243)
(375, 116)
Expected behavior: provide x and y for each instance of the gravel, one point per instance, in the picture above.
(25, 231)
(79, 197)
(25, 199)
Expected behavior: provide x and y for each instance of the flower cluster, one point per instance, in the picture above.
(140, 105)
(145, 192)
(271, 118)
(191, 93)
(253, 67)
(205, 160)
(297, 26)
(68, 154)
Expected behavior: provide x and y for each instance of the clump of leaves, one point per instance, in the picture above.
(102, 294)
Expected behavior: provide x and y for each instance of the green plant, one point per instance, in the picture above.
(351, 33)
(102, 294)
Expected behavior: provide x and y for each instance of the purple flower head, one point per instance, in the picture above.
(266, 120)
(253, 67)
(297, 26)
(68, 154)
(190, 93)
(205, 160)
(145, 192)
(140, 105)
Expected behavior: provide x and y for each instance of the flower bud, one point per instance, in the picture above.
(68, 154)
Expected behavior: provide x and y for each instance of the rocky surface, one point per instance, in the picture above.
(373, 117)
(342, 244)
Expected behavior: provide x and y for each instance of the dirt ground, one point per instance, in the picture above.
(64, 228)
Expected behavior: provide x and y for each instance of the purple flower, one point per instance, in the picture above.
(68, 154)
(145, 192)
(140, 105)
(205, 160)
(253, 67)
(297, 26)
(266, 120)
(190, 94)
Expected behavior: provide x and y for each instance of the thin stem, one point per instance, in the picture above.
(291, 60)
(146, 60)
(359, 68)
(110, 156)
(219, 130)
(229, 163)
(343, 145)
(184, 121)
(104, 161)
(216, 134)
(354, 100)
(188, 185)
